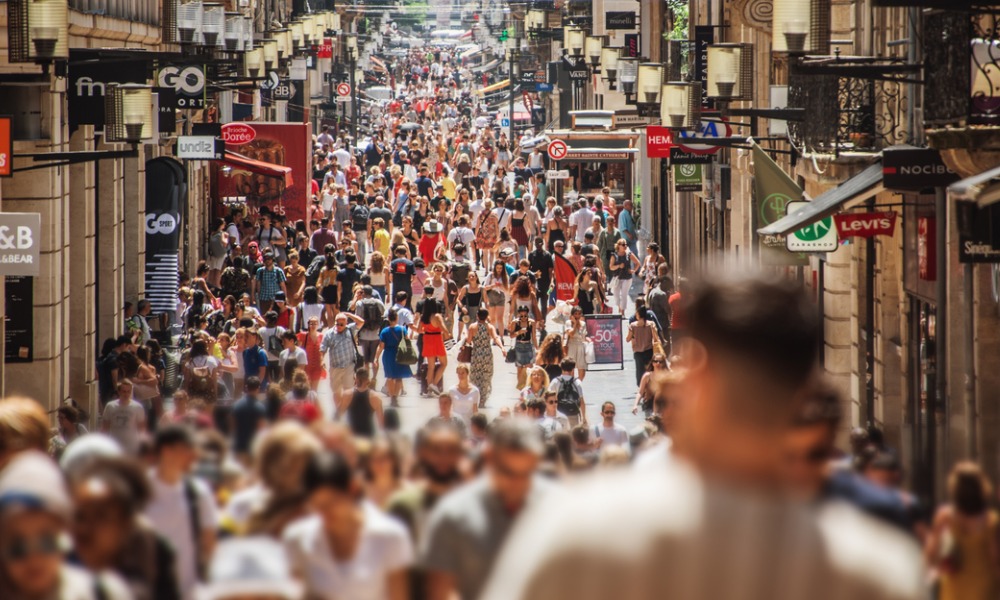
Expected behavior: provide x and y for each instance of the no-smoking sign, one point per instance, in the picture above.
(558, 149)
(344, 89)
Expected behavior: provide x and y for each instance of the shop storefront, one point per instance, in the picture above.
(599, 160)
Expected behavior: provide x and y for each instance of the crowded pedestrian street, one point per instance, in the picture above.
(497, 300)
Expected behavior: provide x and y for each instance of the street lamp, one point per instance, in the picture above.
(592, 49)
(573, 41)
(252, 61)
(535, 20)
(189, 22)
(269, 52)
(128, 113)
(681, 104)
(730, 71)
(801, 26)
(297, 35)
(609, 63)
(234, 32)
(37, 30)
(628, 72)
(213, 24)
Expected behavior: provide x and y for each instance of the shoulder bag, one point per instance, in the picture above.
(406, 353)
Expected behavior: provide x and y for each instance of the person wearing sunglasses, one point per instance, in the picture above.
(35, 513)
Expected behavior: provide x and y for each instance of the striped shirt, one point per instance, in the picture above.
(639, 534)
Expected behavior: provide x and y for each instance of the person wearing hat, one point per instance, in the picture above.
(250, 568)
(432, 244)
(35, 515)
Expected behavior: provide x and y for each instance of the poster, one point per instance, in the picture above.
(166, 192)
(285, 144)
(19, 320)
(606, 333)
(687, 178)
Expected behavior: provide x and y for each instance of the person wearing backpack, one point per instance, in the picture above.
(359, 224)
(372, 310)
(271, 337)
(569, 394)
(218, 248)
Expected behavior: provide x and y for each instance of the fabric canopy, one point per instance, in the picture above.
(983, 189)
(487, 66)
(493, 88)
(238, 161)
(862, 186)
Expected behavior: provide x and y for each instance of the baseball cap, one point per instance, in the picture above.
(506, 252)
(249, 566)
(280, 297)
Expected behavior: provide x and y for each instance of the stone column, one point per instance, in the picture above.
(82, 263)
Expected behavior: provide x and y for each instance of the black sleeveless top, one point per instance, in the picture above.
(361, 415)
(474, 299)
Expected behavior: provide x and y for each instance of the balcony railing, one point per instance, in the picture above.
(852, 105)
(962, 58)
(138, 11)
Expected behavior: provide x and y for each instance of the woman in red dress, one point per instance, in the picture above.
(310, 341)
(433, 328)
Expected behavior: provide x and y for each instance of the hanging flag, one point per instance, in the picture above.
(773, 190)
(565, 275)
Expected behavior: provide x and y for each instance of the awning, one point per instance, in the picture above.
(379, 65)
(493, 88)
(487, 66)
(983, 189)
(238, 161)
(471, 52)
(857, 189)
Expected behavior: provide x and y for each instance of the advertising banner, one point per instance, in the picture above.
(19, 320)
(773, 190)
(166, 192)
(606, 333)
(284, 144)
(6, 148)
(565, 276)
(704, 36)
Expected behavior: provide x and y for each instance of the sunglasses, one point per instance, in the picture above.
(552, 402)
(659, 362)
(341, 324)
(20, 548)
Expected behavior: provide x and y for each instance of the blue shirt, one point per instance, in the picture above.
(253, 359)
(247, 415)
(627, 225)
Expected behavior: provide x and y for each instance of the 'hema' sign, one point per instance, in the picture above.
(909, 168)
(20, 243)
(204, 147)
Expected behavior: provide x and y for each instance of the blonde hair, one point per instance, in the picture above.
(23, 425)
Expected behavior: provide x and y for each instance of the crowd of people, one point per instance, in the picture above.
(428, 254)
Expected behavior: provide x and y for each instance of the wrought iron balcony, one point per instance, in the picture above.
(852, 104)
(962, 57)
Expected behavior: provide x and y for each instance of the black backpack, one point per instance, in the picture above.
(359, 217)
(568, 398)
(372, 315)
(313, 270)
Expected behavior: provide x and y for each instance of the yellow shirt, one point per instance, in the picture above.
(382, 241)
(449, 187)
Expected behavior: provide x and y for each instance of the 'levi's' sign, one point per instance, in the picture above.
(865, 224)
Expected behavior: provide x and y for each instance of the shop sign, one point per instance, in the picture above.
(978, 234)
(20, 242)
(189, 83)
(619, 20)
(606, 333)
(528, 79)
(298, 70)
(577, 71)
(704, 36)
(286, 91)
(679, 156)
(865, 224)
(199, 147)
(631, 119)
(237, 134)
(326, 50)
(19, 320)
(709, 129)
(632, 49)
(560, 174)
(597, 155)
(821, 236)
(927, 248)
(88, 78)
(6, 148)
(915, 169)
(687, 178)
(659, 141)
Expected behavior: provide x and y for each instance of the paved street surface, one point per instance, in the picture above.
(607, 383)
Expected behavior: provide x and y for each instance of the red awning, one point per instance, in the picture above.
(259, 167)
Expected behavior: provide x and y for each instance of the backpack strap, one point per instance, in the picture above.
(194, 516)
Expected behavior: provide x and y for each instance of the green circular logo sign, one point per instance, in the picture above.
(816, 231)
(688, 170)
(772, 207)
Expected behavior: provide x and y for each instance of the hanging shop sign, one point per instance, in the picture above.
(821, 236)
(166, 100)
(298, 69)
(679, 156)
(659, 141)
(704, 36)
(20, 243)
(19, 319)
(865, 224)
(978, 234)
(89, 74)
(326, 49)
(910, 168)
(237, 134)
(560, 174)
(687, 178)
(927, 248)
(285, 91)
(632, 45)
(708, 129)
(6, 148)
(577, 71)
(188, 81)
(619, 20)
(200, 147)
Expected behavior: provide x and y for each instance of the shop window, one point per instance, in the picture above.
(24, 104)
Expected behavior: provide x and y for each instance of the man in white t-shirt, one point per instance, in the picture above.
(608, 433)
(580, 221)
(343, 157)
(182, 509)
(124, 418)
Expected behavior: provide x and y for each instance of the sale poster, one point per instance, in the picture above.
(605, 332)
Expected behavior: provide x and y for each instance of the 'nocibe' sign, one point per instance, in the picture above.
(236, 134)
